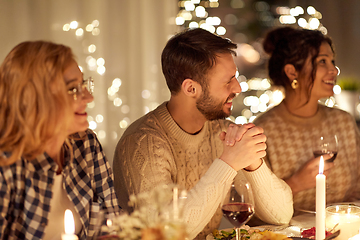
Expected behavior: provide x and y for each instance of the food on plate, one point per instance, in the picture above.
(108, 237)
(310, 233)
(248, 234)
(224, 235)
(267, 235)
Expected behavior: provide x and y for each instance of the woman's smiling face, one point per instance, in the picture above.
(73, 77)
(326, 73)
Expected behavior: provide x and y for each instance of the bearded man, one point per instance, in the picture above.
(187, 141)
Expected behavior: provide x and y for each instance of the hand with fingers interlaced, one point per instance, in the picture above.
(244, 146)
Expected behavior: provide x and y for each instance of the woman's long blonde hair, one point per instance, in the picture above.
(33, 98)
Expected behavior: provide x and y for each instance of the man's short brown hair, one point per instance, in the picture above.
(190, 54)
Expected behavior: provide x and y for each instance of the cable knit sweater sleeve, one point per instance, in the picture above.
(150, 164)
(204, 199)
(273, 197)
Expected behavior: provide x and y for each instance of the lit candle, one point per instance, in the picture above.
(320, 201)
(356, 237)
(69, 225)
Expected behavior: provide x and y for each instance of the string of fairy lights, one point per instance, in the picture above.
(96, 65)
(194, 14)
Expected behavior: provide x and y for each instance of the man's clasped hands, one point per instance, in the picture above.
(244, 146)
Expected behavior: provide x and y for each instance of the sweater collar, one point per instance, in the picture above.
(309, 121)
(174, 129)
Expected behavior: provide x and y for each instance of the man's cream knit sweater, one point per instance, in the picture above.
(154, 150)
(289, 147)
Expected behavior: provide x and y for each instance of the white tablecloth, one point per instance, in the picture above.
(306, 220)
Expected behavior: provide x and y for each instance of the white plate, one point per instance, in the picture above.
(290, 231)
(304, 221)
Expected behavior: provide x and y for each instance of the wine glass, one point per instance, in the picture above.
(240, 207)
(325, 144)
(105, 227)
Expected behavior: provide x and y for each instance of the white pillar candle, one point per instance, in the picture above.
(347, 218)
(175, 203)
(320, 201)
(69, 225)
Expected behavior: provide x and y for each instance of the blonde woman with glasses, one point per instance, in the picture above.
(49, 160)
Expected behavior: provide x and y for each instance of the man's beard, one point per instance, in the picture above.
(210, 108)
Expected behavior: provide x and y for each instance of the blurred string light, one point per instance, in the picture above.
(337, 89)
(248, 53)
(93, 64)
(263, 99)
(309, 19)
(97, 64)
(193, 14)
(259, 96)
(330, 102)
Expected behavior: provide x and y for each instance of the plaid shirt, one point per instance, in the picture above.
(26, 190)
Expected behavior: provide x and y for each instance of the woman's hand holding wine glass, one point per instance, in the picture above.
(240, 207)
(325, 144)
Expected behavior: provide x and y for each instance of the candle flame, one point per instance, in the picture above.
(69, 222)
(109, 223)
(321, 165)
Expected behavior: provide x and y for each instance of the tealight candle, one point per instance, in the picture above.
(320, 201)
(348, 219)
(356, 237)
(69, 225)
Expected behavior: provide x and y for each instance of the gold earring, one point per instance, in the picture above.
(294, 84)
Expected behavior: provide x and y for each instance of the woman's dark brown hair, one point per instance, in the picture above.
(288, 45)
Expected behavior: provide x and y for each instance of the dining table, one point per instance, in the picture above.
(296, 225)
(304, 219)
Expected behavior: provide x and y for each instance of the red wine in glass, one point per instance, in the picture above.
(238, 213)
(240, 207)
(104, 227)
(318, 153)
(325, 144)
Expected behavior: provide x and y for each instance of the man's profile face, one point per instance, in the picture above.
(222, 87)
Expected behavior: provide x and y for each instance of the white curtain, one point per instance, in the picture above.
(129, 37)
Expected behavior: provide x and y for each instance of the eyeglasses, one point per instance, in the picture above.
(87, 84)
